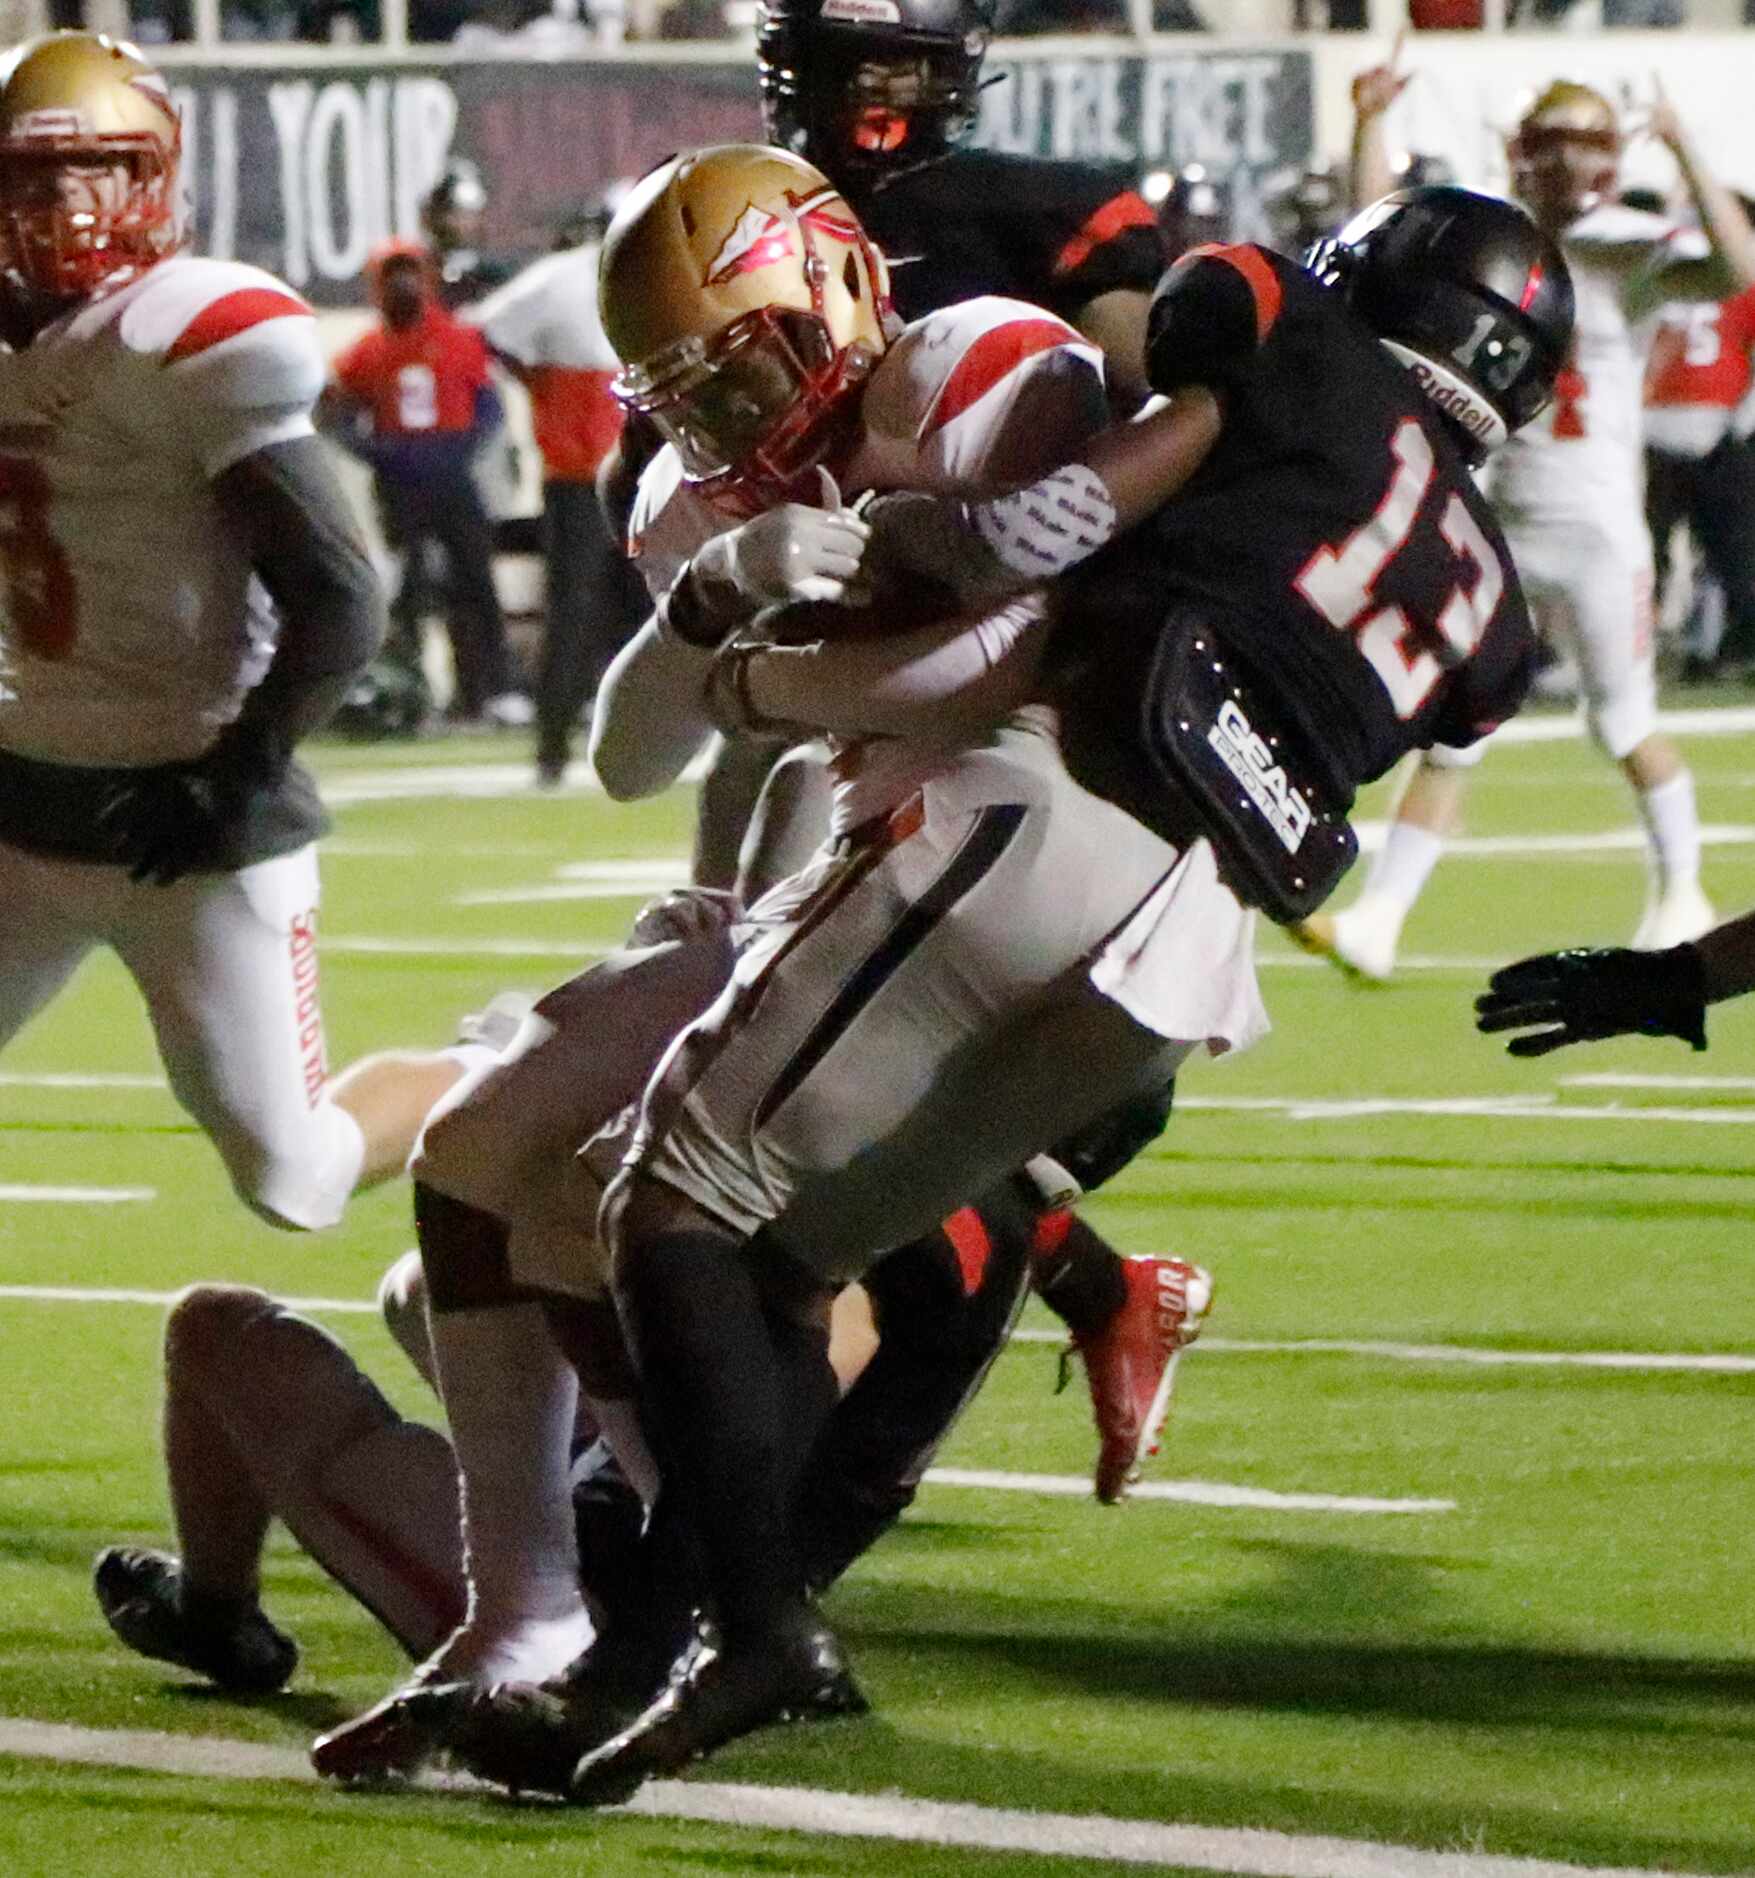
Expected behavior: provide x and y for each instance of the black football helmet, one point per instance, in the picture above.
(1468, 293)
(865, 88)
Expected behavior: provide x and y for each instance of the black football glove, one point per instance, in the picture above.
(182, 818)
(1584, 996)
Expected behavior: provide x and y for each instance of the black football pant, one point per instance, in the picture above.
(450, 514)
(1715, 496)
(594, 602)
(945, 1306)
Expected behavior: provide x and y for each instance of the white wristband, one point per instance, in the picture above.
(1043, 530)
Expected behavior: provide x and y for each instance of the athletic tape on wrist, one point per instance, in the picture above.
(1043, 530)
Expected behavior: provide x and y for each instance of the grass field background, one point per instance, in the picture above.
(1561, 1667)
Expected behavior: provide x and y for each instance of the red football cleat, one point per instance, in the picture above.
(1130, 1363)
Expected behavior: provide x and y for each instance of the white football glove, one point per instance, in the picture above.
(790, 553)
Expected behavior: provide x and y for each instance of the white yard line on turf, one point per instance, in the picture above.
(1574, 847)
(561, 892)
(1620, 1079)
(1532, 1108)
(1187, 1492)
(1709, 1362)
(414, 782)
(588, 880)
(1475, 965)
(28, 1193)
(1703, 1362)
(465, 948)
(1568, 726)
(1245, 1852)
(343, 787)
(94, 1079)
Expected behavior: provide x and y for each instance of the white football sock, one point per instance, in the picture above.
(1401, 870)
(1672, 832)
(510, 1398)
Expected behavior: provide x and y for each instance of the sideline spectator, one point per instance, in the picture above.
(413, 398)
(543, 326)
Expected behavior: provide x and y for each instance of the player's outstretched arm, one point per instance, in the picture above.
(1559, 998)
(1730, 267)
(989, 552)
(1370, 173)
(1581, 997)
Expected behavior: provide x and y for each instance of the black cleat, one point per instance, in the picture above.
(147, 1602)
(793, 1672)
(396, 1737)
(529, 1737)
(519, 1735)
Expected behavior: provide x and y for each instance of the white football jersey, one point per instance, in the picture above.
(1582, 458)
(131, 625)
(975, 399)
(547, 313)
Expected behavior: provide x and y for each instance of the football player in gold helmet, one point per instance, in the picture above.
(753, 307)
(1565, 153)
(183, 597)
(89, 151)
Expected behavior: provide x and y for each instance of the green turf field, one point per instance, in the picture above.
(1559, 1667)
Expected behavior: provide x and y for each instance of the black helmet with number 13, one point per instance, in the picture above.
(1468, 293)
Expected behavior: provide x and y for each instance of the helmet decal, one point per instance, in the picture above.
(152, 85)
(814, 213)
(863, 12)
(758, 239)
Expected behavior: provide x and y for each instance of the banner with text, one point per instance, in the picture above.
(304, 169)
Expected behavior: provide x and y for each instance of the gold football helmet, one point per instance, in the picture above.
(89, 148)
(746, 304)
(1565, 152)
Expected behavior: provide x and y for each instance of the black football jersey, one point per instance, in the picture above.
(1334, 534)
(979, 222)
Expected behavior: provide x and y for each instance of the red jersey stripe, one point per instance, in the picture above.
(998, 351)
(969, 1240)
(1127, 210)
(231, 314)
(1264, 284)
